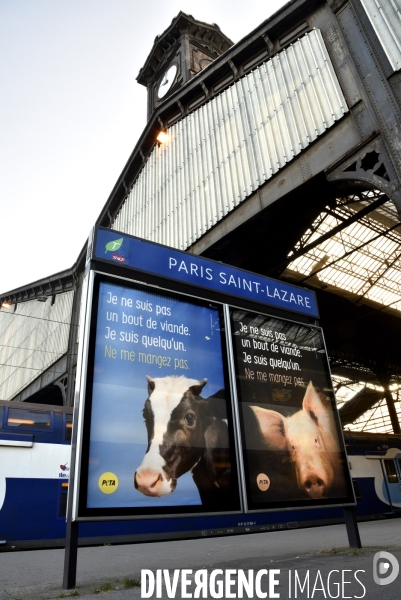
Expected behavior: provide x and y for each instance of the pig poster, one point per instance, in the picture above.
(292, 443)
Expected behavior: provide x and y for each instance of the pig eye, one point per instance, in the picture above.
(315, 441)
(189, 419)
(292, 446)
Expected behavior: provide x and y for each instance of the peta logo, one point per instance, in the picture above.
(108, 483)
(263, 482)
(382, 573)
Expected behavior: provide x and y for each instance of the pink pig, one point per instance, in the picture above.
(311, 439)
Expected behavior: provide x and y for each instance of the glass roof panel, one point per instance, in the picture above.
(363, 258)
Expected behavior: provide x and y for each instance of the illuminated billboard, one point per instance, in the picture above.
(292, 443)
(190, 401)
(159, 433)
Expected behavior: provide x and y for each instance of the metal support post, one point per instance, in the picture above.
(385, 382)
(71, 538)
(71, 542)
(70, 555)
(73, 343)
(351, 524)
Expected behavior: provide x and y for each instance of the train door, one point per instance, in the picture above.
(392, 470)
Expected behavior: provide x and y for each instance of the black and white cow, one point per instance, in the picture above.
(185, 433)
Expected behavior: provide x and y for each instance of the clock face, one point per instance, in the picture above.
(167, 81)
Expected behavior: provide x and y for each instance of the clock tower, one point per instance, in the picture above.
(180, 52)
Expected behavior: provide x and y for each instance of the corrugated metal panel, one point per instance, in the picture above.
(31, 339)
(385, 17)
(222, 152)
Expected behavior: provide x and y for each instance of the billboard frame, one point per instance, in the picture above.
(351, 501)
(137, 275)
(86, 382)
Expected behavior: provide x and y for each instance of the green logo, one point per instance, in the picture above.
(115, 245)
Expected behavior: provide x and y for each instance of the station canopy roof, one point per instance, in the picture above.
(358, 259)
(361, 258)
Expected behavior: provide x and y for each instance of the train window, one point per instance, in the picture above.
(67, 429)
(390, 471)
(361, 440)
(356, 489)
(1, 416)
(29, 419)
(62, 509)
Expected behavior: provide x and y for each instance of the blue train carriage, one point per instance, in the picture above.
(34, 471)
(375, 465)
(35, 453)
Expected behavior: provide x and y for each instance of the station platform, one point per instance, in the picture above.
(334, 569)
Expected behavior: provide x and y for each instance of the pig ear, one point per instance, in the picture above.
(273, 427)
(319, 410)
(151, 384)
(314, 405)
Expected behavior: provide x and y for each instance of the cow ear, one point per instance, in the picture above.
(151, 384)
(196, 389)
(273, 427)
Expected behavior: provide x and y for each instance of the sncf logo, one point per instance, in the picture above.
(118, 258)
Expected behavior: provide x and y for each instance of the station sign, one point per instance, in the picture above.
(201, 272)
(191, 405)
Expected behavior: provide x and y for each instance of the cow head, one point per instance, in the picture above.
(309, 436)
(176, 418)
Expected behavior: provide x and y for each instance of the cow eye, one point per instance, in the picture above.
(189, 419)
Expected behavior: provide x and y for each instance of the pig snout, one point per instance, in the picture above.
(315, 476)
(314, 486)
(315, 472)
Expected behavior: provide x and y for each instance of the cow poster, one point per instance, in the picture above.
(159, 436)
(292, 444)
